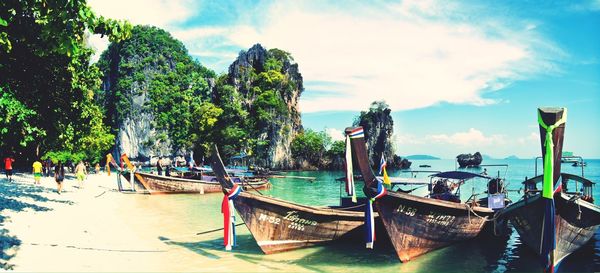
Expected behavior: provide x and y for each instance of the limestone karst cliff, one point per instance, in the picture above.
(147, 79)
(268, 84)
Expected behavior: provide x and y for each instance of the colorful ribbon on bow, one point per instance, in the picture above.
(369, 217)
(549, 228)
(228, 210)
(349, 174)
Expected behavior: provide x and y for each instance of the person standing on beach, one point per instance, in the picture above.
(8, 161)
(159, 167)
(37, 172)
(59, 176)
(97, 168)
(48, 167)
(80, 172)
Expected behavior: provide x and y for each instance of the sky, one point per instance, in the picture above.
(459, 76)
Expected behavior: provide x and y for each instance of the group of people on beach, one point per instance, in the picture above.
(40, 169)
(163, 164)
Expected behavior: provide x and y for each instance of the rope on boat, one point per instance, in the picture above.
(470, 210)
(249, 184)
(574, 200)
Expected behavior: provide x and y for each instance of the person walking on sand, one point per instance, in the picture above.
(8, 161)
(97, 168)
(59, 176)
(37, 172)
(80, 172)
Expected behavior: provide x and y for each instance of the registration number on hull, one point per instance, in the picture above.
(430, 217)
(293, 220)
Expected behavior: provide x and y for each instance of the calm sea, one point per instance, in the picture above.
(188, 214)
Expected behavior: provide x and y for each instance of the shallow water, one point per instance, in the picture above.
(177, 218)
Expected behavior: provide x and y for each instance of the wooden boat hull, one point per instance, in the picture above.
(278, 225)
(418, 225)
(527, 216)
(167, 184)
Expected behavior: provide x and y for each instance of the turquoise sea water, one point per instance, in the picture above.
(192, 213)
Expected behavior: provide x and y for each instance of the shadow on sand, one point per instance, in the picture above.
(10, 192)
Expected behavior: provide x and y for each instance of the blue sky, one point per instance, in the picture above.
(459, 76)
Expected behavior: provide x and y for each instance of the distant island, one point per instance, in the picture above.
(421, 157)
(512, 157)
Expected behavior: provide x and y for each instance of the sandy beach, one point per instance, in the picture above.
(79, 230)
(98, 228)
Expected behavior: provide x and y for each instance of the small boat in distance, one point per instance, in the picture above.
(278, 225)
(559, 219)
(424, 166)
(569, 157)
(579, 164)
(417, 225)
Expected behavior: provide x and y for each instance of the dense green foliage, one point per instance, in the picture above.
(318, 150)
(154, 64)
(44, 63)
(16, 121)
(311, 146)
(378, 126)
(257, 109)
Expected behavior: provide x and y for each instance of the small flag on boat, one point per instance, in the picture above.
(548, 247)
(369, 217)
(228, 210)
(349, 174)
(357, 133)
(382, 166)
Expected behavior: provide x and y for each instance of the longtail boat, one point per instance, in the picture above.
(559, 219)
(416, 225)
(159, 184)
(191, 183)
(278, 225)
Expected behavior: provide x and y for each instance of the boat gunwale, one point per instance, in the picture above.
(305, 208)
(438, 202)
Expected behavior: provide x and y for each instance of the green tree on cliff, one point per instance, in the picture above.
(311, 146)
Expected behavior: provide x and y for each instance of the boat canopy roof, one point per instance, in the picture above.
(459, 175)
(563, 176)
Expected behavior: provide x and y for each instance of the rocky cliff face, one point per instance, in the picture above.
(130, 71)
(258, 67)
(379, 127)
(465, 160)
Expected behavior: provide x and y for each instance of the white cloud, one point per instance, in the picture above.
(406, 139)
(471, 138)
(408, 54)
(532, 138)
(160, 13)
(335, 134)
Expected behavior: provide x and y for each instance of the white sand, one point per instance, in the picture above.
(84, 231)
(99, 229)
